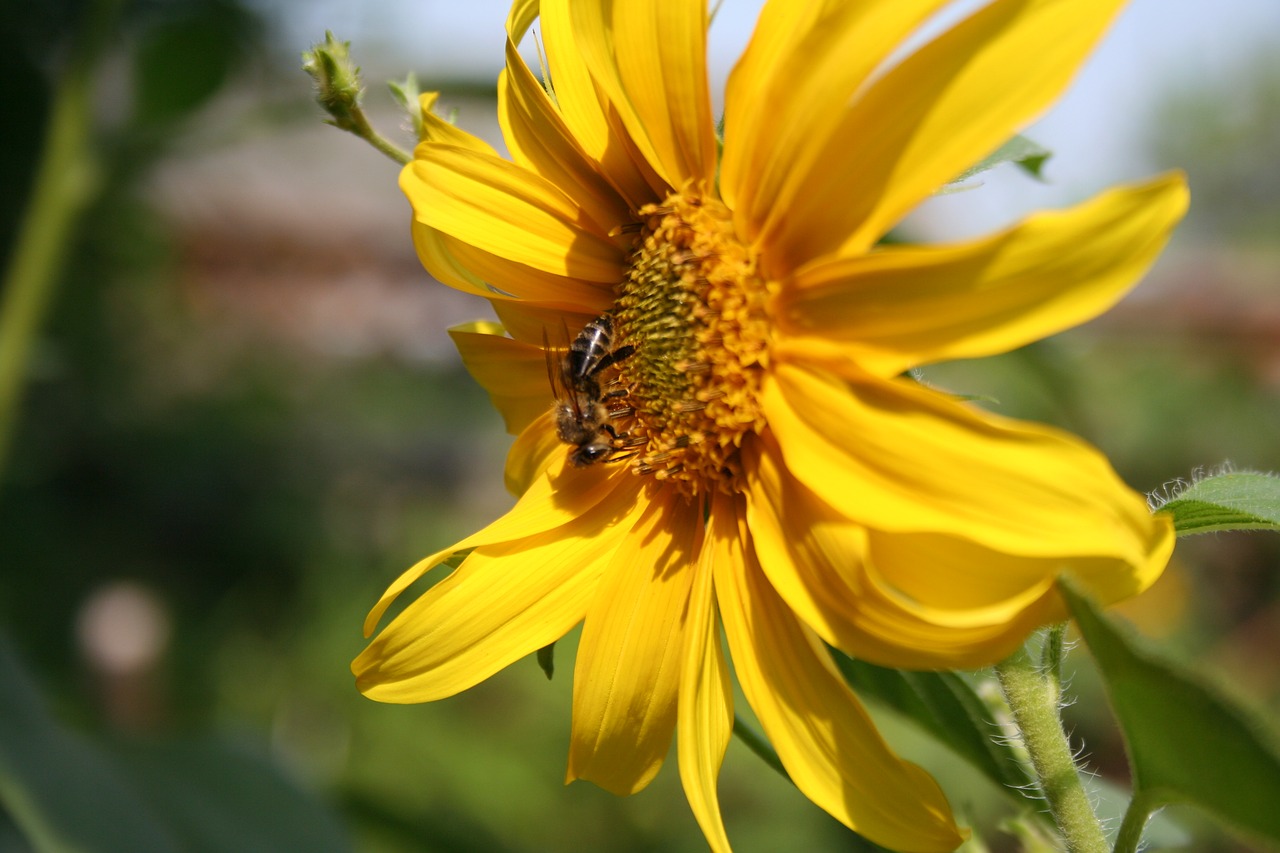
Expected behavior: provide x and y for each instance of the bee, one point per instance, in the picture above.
(581, 410)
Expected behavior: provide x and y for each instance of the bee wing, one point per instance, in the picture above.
(560, 389)
(553, 371)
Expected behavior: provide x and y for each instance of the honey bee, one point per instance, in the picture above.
(581, 411)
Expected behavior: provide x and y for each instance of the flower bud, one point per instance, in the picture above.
(338, 88)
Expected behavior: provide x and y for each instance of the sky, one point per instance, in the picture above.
(1096, 131)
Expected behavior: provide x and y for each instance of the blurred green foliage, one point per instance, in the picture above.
(1227, 129)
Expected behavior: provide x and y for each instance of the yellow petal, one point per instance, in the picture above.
(811, 554)
(505, 601)
(586, 112)
(805, 61)
(927, 119)
(533, 451)
(513, 374)
(466, 268)
(436, 252)
(521, 17)
(540, 141)
(502, 209)
(905, 306)
(558, 495)
(823, 736)
(705, 713)
(650, 60)
(961, 587)
(858, 589)
(438, 130)
(507, 279)
(899, 457)
(630, 657)
(537, 322)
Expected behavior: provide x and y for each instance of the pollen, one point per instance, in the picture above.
(695, 307)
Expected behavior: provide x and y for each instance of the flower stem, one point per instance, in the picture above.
(340, 92)
(1035, 697)
(756, 743)
(365, 131)
(65, 183)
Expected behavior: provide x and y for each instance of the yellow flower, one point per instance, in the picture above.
(769, 468)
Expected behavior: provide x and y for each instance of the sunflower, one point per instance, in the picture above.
(721, 321)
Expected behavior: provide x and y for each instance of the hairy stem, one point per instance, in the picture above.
(359, 125)
(1035, 697)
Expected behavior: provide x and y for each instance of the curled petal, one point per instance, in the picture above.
(902, 458)
(825, 567)
(521, 17)
(959, 586)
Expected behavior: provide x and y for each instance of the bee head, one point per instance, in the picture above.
(591, 453)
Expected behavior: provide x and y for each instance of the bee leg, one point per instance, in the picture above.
(624, 440)
(620, 354)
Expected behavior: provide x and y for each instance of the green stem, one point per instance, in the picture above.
(358, 124)
(1035, 700)
(1051, 658)
(1135, 820)
(64, 185)
(756, 743)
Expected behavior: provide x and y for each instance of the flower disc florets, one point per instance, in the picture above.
(695, 308)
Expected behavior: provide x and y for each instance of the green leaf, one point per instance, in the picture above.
(62, 792)
(1187, 742)
(1027, 155)
(216, 796)
(946, 706)
(1240, 500)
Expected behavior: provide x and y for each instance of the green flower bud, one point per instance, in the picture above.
(338, 91)
(338, 88)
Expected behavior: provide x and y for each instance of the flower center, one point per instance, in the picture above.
(694, 307)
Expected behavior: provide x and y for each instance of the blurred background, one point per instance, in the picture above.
(241, 418)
